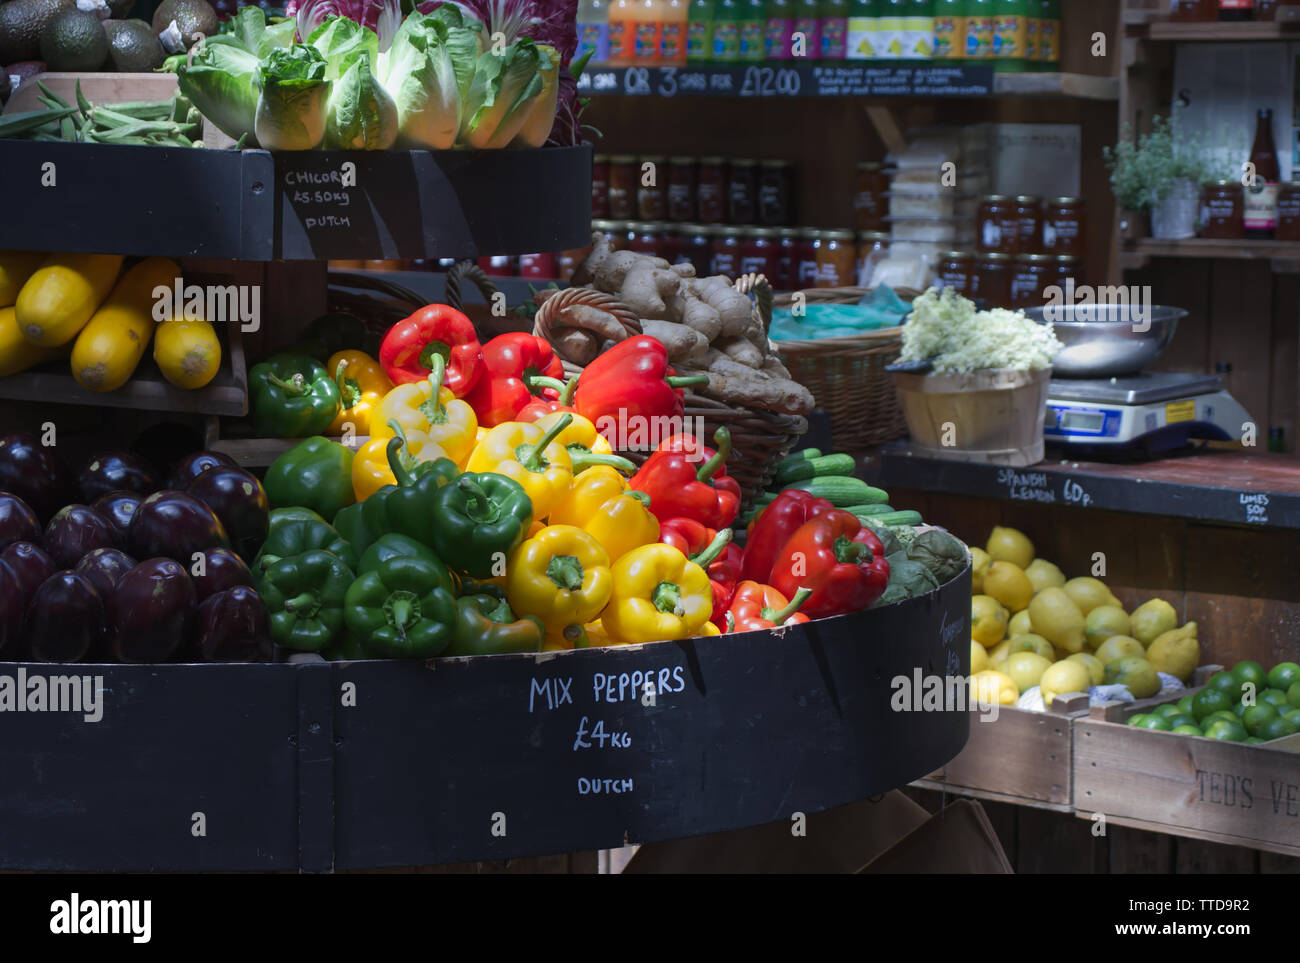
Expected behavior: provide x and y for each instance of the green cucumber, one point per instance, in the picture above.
(869, 509)
(842, 491)
(798, 457)
(895, 519)
(816, 468)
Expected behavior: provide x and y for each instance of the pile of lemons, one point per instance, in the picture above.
(1030, 626)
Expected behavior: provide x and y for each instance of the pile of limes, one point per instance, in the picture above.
(1243, 704)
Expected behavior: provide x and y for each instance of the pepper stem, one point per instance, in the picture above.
(349, 390)
(531, 456)
(721, 438)
(534, 382)
(584, 458)
(480, 508)
(566, 395)
(402, 609)
(304, 604)
(847, 550)
(779, 617)
(576, 636)
(399, 458)
(713, 549)
(565, 571)
(685, 381)
(296, 385)
(434, 352)
(642, 497)
(433, 409)
(731, 622)
(667, 597)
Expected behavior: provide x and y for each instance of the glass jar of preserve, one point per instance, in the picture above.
(873, 247)
(681, 189)
(624, 176)
(760, 253)
(600, 185)
(742, 191)
(1288, 212)
(997, 226)
(537, 265)
(711, 190)
(697, 247)
(806, 263)
(869, 203)
(1063, 226)
(610, 229)
(788, 238)
(1064, 272)
(775, 190)
(1186, 11)
(652, 198)
(991, 280)
(1029, 212)
(954, 271)
(648, 237)
(726, 251)
(498, 265)
(1223, 210)
(836, 257)
(1028, 278)
(566, 262)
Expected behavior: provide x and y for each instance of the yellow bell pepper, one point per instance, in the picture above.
(362, 384)
(587, 636)
(371, 469)
(448, 424)
(710, 629)
(599, 503)
(561, 576)
(583, 441)
(531, 456)
(658, 594)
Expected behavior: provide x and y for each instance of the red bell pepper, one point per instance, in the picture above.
(685, 534)
(541, 407)
(632, 379)
(773, 528)
(758, 606)
(714, 559)
(514, 365)
(680, 487)
(838, 558)
(411, 343)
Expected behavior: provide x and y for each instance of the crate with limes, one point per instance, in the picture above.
(1243, 704)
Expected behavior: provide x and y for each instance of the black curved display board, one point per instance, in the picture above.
(294, 205)
(368, 764)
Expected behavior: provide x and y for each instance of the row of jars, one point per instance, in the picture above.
(704, 190)
(1024, 224)
(1005, 280)
(1223, 211)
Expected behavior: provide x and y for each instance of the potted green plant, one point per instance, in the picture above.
(1160, 172)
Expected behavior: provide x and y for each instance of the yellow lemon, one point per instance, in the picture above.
(1176, 652)
(1057, 619)
(1096, 671)
(1009, 545)
(979, 564)
(1006, 582)
(1026, 668)
(998, 654)
(988, 621)
(1138, 674)
(1152, 619)
(1088, 593)
(1020, 624)
(1043, 574)
(979, 658)
(994, 688)
(1103, 622)
(1120, 647)
(1062, 677)
(1029, 642)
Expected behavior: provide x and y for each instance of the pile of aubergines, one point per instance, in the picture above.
(108, 565)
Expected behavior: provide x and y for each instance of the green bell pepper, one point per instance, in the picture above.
(350, 522)
(331, 333)
(291, 396)
(345, 649)
(478, 522)
(304, 598)
(316, 473)
(293, 513)
(394, 545)
(485, 625)
(291, 537)
(403, 609)
(409, 508)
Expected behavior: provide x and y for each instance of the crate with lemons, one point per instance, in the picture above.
(1036, 635)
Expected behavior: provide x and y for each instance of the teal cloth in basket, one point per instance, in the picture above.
(879, 308)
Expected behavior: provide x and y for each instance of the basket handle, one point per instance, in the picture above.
(578, 321)
(467, 270)
(761, 289)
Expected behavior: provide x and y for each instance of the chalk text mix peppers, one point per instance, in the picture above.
(435, 331)
(838, 558)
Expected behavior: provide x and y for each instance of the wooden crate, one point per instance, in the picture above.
(1224, 792)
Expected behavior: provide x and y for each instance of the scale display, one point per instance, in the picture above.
(1092, 422)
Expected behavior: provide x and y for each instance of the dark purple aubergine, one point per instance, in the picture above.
(104, 568)
(192, 466)
(174, 525)
(118, 508)
(18, 523)
(115, 471)
(222, 569)
(232, 627)
(151, 612)
(34, 473)
(64, 619)
(238, 499)
(13, 606)
(30, 563)
(75, 531)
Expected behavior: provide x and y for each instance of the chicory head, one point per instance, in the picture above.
(360, 115)
(381, 16)
(341, 42)
(541, 112)
(221, 81)
(248, 31)
(428, 73)
(501, 95)
(550, 22)
(291, 104)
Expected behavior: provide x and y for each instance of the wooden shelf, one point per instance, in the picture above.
(1079, 86)
(1284, 255)
(1167, 30)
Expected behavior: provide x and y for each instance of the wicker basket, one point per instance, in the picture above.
(847, 375)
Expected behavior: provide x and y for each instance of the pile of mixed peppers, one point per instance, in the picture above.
(486, 513)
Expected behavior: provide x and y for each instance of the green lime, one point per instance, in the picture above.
(1292, 716)
(1240, 708)
(1226, 731)
(1251, 672)
(1184, 704)
(1138, 718)
(1188, 730)
(1275, 696)
(1255, 717)
(1167, 710)
(1182, 719)
(1275, 729)
(1284, 675)
(1155, 722)
(1225, 682)
(1252, 740)
(1221, 715)
(1210, 700)
(1293, 695)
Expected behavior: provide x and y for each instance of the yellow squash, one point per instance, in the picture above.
(15, 268)
(16, 352)
(110, 347)
(58, 300)
(187, 352)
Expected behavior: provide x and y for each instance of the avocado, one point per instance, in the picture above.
(74, 40)
(133, 47)
(193, 17)
(21, 23)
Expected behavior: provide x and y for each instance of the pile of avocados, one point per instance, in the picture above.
(56, 35)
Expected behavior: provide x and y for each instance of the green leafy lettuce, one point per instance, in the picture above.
(501, 95)
(428, 74)
(360, 115)
(541, 113)
(341, 41)
(291, 104)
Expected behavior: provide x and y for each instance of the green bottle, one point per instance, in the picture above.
(699, 32)
(1010, 34)
(918, 30)
(863, 30)
(835, 26)
(726, 31)
(753, 31)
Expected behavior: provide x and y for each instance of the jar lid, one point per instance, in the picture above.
(622, 159)
(713, 160)
(809, 233)
(600, 158)
(1028, 199)
(838, 234)
(744, 162)
(995, 198)
(681, 160)
(764, 232)
(787, 232)
(603, 224)
(955, 255)
(1067, 259)
(870, 165)
(1037, 258)
(996, 258)
(1067, 200)
(639, 226)
(733, 230)
(874, 236)
(654, 158)
(1225, 183)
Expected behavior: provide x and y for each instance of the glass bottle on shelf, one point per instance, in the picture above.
(622, 33)
(1049, 35)
(1010, 33)
(806, 35)
(726, 31)
(593, 31)
(648, 23)
(753, 31)
(950, 30)
(834, 16)
(918, 30)
(672, 37)
(887, 37)
(979, 30)
(1261, 195)
(862, 30)
(1236, 10)
(777, 29)
(699, 32)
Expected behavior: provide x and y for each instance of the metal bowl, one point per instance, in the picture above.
(1113, 342)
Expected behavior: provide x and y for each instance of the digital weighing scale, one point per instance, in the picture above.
(1152, 412)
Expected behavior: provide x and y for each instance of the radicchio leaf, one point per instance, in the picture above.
(553, 23)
